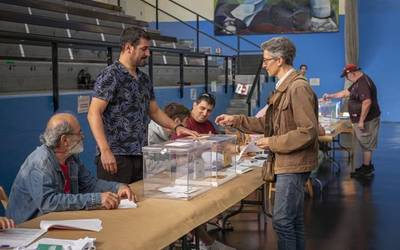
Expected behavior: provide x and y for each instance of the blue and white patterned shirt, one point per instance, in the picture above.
(126, 116)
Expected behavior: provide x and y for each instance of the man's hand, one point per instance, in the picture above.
(225, 120)
(109, 200)
(124, 192)
(326, 97)
(360, 125)
(263, 143)
(108, 161)
(184, 131)
(6, 223)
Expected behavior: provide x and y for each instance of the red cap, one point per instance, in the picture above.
(349, 68)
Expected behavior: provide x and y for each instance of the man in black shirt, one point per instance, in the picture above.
(364, 114)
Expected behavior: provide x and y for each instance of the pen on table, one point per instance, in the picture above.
(5, 246)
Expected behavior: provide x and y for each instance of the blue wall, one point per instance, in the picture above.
(23, 119)
(379, 51)
(322, 52)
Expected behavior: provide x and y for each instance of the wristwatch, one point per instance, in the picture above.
(178, 125)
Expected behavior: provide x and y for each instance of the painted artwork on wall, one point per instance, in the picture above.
(248, 17)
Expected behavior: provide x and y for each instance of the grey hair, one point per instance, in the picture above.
(51, 136)
(280, 47)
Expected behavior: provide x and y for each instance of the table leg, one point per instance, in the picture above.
(243, 202)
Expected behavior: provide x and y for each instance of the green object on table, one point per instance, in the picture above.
(49, 247)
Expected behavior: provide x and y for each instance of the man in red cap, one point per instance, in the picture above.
(364, 114)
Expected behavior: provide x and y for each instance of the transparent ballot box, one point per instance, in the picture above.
(221, 164)
(329, 109)
(328, 115)
(165, 164)
(183, 169)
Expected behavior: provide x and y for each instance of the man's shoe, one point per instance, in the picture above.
(372, 167)
(356, 171)
(369, 170)
(363, 171)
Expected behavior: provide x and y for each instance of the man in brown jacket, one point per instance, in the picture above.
(294, 139)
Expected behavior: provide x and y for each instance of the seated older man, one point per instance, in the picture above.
(52, 178)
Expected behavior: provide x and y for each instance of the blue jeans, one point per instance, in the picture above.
(288, 216)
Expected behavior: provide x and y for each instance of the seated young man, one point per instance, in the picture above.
(198, 121)
(52, 178)
(178, 113)
(201, 111)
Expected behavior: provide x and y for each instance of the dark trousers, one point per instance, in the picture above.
(129, 169)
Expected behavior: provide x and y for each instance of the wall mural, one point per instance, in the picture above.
(247, 17)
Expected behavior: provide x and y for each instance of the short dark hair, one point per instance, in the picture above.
(132, 36)
(303, 65)
(175, 110)
(208, 98)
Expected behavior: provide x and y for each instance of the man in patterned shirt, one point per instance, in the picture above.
(122, 106)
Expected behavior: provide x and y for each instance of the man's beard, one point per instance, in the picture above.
(143, 62)
(77, 148)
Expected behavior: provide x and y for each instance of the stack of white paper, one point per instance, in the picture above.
(19, 237)
(179, 189)
(84, 224)
(243, 169)
(251, 163)
(125, 203)
(249, 148)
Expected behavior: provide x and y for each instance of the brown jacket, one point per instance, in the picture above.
(295, 139)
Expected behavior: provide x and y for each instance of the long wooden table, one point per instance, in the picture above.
(156, 223)
(339, 128)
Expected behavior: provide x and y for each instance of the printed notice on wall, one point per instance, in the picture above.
(213, 86)
(83, 103)
(193, 94)
(314, 81)
(242, 89)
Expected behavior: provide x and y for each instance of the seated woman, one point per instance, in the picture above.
(176, 112)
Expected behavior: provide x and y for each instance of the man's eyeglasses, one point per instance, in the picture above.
(80, 133)
(266, 60)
